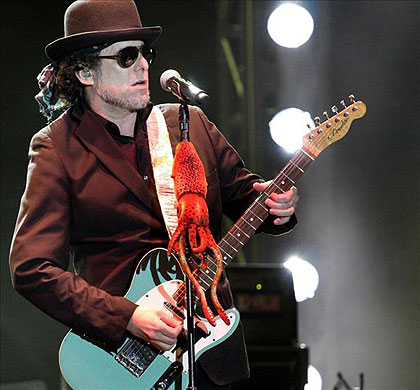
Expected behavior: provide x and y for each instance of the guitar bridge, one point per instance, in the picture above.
(136, 356)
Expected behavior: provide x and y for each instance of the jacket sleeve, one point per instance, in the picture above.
(236, 182)
(39, 256)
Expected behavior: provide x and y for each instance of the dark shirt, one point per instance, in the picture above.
(136, 148)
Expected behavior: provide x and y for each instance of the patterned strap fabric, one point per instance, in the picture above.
(48, 97)
(162, 161)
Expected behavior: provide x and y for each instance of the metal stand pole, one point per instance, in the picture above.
(184, 117)
(184, 124)
(190, 337)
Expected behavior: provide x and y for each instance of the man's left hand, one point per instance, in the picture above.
(281, 205)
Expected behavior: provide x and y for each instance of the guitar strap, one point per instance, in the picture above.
(162, 162)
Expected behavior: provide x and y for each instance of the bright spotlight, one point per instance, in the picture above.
(314, 379)
(290, 25)
(305, 278)
(288, 127)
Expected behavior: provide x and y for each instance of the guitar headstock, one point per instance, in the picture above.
(333, 128)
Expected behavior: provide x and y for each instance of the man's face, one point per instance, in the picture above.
(122, 88)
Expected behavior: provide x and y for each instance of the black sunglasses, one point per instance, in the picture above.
(127, 57)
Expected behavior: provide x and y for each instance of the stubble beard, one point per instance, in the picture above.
(129, 103)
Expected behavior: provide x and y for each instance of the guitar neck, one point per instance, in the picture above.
(239, 234)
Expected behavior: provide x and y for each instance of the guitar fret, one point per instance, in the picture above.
(236, 238)
(289, 178)
(281, 189)
(225, 255)
(206, 274)
(244, 228)
(300, 169)
(247, 223)
(208, 285)
(208, 269)
(293, 174)
(210, 263)
(223, 239)
(261, 205)
(302, 150)
(237, 227)
(256, 215)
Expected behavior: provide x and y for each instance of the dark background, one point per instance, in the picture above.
(359, 208)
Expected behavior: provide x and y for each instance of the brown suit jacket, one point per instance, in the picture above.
(85, 202)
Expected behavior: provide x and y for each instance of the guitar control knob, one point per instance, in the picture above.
(169, 376)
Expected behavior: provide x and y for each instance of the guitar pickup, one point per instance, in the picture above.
(179, 313)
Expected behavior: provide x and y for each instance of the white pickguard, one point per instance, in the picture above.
(157, 296)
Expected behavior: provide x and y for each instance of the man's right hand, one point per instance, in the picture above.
(155, 326)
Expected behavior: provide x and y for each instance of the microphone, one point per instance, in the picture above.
(171, 81)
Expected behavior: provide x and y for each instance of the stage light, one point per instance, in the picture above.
(290, 25)
(288, 127)
(305, 278)
(314, 379)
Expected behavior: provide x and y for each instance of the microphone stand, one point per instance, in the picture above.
(184, 117)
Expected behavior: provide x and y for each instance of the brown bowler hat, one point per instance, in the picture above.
(95, 22)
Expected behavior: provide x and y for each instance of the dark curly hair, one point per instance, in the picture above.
(69, 87)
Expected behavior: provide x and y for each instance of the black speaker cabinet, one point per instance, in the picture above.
(264, 296)
(276, 367)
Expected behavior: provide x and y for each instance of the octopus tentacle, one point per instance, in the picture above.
(192, 236)
(203, 240)
(206, 309)
(213, 288)
(175, 237)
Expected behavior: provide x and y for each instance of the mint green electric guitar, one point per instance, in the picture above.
(159, 283)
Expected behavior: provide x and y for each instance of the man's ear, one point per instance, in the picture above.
(84, 76)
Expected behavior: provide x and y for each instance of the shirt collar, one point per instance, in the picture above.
(81, 109)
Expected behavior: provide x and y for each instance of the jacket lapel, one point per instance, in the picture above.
(101, 144)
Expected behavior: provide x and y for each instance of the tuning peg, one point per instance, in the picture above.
(352, 99)
(334, 109)
(343, 104)
(317, 120)
(309, 126)
(325, 113)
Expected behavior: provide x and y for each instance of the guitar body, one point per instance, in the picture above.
(85, 365)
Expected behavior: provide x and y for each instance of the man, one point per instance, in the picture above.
(91, 189)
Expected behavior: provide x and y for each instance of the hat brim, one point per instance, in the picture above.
(59, 48)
